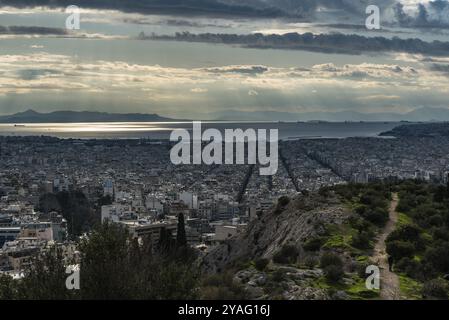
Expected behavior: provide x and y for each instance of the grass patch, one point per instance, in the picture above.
(404, 220)
(339, 237)
(410, 289)
(358, 291)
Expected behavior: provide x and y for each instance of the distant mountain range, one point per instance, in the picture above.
(31, 116)
(421, 114)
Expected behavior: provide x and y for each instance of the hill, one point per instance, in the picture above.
(31, 116)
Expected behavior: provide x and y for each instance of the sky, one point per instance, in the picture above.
(208, 59)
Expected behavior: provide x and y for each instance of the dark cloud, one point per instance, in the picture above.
(434, 14)
(176, 7)
(329, 43)
(240, 69)
(246, 8)
(25, 30)
(175, 23)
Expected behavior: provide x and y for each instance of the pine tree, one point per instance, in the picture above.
(181, 239)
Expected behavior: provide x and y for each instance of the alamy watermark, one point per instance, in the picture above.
(372, 22)
(189, 149)
(73, 21)
(72, 281)
(373, 280)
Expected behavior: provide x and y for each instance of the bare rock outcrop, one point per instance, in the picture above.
(303, 218)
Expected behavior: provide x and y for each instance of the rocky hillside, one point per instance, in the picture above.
(315, 246)
(293, 224)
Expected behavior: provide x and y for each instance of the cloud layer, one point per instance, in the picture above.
(47, 81)
(425, 14)
(330, 43)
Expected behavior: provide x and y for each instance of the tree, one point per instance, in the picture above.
(400, 249)
(116, 266)
(74, 207)
(113, 265)
(46, 278)
(438, 257)
(334, 273)
(261, 264)
(287, 254)
(105, 271)
(181, 239)
(166, 243)
(8, 287)
(332, 266)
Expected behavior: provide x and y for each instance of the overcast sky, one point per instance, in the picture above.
(106, 66)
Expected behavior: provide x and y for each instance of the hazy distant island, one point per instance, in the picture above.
(31, 116)
(419, 130)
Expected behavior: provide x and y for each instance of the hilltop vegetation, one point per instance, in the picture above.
(420, 246)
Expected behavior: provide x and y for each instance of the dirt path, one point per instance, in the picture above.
(389, 281)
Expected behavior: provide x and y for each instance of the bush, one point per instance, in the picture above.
(400, 249)
(377, 216)
(282, 203)
(222, 287)
(314, 244)
(278, 276)
(436, 288)
(288, 254)
(361, 240)
(330, 259)
(438, 257)
(407, 233)
(440, 234)
(334, 273)
(361, 269)
(8, 287)
(261, 264)
(410, 267)
(310, 262)
(360, 224)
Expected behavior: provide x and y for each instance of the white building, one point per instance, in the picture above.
(153, 203)
(108, 188)
(113, 212)
(189, 199)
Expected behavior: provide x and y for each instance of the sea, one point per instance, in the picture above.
(162, 130)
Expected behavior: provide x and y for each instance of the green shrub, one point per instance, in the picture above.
(310, 262)
(400, 249)
(222, 287)
(361, 269)
(282, 204)
(314, 244)
(287, 255)
(361, 240)
(333, 273)
(261, 264)
(377, 216)
(283, 201)
(407, 233)
(410, 267)
(330, 259)
(438, 257)
(436, 288)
